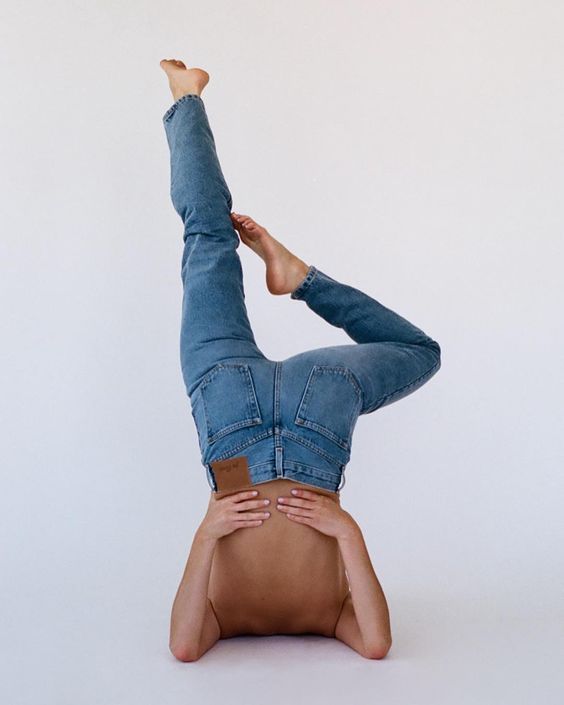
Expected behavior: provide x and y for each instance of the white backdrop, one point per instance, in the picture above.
(414, 150)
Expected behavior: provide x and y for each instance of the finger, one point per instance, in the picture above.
(294, 502)
(299, 518)
(304, 493)
(294, 510)
(242, 496)
(243, 524)
(252, 515)
(251, 504)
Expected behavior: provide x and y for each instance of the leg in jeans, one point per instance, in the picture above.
(392, 357)
(215, 324)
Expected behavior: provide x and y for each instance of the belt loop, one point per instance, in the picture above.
(279, 461)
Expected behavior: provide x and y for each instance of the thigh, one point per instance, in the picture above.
(386, 371)
(214, 324)
(380, 373)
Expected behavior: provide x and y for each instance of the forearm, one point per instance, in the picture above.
(368, 599)
(191, 601)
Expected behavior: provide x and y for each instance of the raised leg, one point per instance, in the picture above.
(392, 357)
(215, 324)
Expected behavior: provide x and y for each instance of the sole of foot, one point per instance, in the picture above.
(284, 270)
(183, 80)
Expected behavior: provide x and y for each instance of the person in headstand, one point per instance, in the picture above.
(273, 434)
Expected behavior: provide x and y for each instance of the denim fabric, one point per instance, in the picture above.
(292, 418)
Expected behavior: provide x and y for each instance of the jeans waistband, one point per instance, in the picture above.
(269, 462)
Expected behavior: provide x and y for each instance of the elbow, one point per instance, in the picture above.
(185, 652)
(379, 649)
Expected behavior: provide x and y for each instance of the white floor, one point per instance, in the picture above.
(114, 652)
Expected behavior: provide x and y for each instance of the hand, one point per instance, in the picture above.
(318, 511)
(229, 513)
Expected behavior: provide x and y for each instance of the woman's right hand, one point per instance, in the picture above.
(229, 513)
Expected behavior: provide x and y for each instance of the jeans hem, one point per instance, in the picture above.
(177, 102)
(300, 290)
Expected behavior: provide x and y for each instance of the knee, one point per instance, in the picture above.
(436, 350)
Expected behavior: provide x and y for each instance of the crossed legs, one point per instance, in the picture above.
(390, 358)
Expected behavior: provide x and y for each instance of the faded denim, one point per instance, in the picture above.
(292, 418)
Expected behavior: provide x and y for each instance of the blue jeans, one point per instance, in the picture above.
(292, 418)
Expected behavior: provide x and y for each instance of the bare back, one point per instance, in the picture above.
(278, 578)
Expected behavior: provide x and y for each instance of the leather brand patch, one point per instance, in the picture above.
(232, 473)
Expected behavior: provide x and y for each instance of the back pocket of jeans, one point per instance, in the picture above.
(330, 403)
(229, 400)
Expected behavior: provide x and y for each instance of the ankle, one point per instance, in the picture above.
(298, 275)
(178, 93)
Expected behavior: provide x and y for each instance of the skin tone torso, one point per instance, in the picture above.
(278, 577)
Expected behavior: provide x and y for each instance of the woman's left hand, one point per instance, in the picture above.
(318, 511)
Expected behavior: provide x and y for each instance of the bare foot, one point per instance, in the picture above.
(183, 80)
(284, 271)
